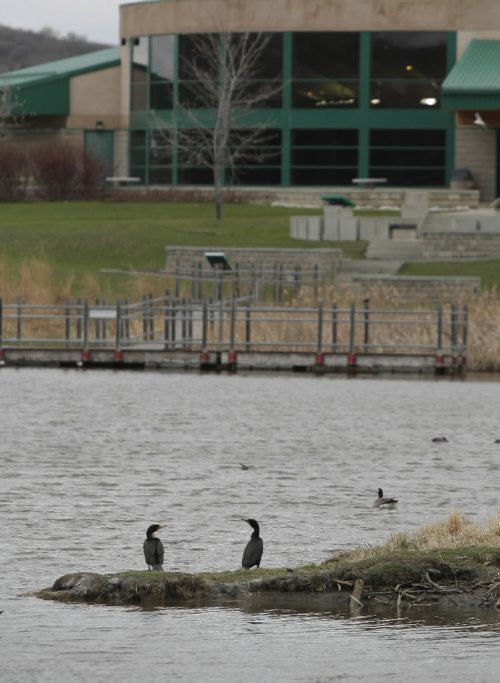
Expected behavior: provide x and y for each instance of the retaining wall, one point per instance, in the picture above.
(327, 260)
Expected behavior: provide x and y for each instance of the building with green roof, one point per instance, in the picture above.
(78, 99)
(391, 89)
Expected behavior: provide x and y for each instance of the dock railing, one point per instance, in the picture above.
(169, 324)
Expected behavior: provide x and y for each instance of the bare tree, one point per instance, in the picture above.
(212, 124)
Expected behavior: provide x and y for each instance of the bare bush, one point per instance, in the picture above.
(63, 171)
(13, 173)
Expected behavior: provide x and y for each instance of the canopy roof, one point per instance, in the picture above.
(474, 81)
(44, 89)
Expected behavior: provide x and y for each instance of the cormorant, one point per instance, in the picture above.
(252, 554)
(153, 549)
(243, 466)
(439, 439)
(380, 501)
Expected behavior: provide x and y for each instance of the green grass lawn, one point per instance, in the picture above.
(488, 271)
(80, 238)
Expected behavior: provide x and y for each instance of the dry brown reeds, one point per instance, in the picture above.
(456, 531)
(34, 281)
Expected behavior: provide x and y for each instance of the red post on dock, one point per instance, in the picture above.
(232, 360)
(352, 360)
(86, 356)
(118, 356)
(319, 360)
(204, 357)
(3, 356)
(439, 363)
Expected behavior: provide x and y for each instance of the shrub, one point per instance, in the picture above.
(64, 171)
(13, 173)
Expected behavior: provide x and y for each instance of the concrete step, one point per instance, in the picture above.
(398, 250)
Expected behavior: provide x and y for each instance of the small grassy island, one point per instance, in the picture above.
(454, 562)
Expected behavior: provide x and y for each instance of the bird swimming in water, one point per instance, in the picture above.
(252, 554)
(243, 466)
(439, 439)
(153, 549)
(380, 501)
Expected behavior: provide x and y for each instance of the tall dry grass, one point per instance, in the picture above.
(456, 531)
(34, 281)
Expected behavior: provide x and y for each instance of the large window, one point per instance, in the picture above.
(257, 163)
(407, 69)
(258, 57)
(161, 72)
(324, 156)
(325, 69)
(409, 157)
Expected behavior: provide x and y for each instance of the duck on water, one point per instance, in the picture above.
(153, 549)
(252, 554)
(382, 501)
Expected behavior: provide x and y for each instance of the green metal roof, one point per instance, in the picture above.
(474, 81)
(44, 88)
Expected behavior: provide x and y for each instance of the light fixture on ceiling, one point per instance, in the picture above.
(428, 101)
(99, 125)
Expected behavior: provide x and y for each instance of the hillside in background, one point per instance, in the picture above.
(19, 48)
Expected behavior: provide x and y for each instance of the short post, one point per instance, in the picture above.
(85, 355)
(366, 336)
(297, 278)
(334, 326)
(177, 280)
(316, 280)
(352, 360)
(440, 328)
(118, 353)
(67, 323)
(248, 326)
(204, 325)
(320, 356)
(2, 350)
(166, 319)
(19, 320)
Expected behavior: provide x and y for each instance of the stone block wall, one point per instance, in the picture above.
(327, 260)
(451, 246)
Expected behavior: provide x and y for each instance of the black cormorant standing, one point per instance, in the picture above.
(153, 549)
(380, 501)
(252, 554)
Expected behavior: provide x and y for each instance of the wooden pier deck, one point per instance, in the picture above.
(150, 358)
(236, 336)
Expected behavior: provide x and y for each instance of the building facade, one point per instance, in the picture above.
(388, 89)
(362, 89)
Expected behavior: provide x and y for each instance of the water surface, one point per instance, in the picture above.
(90, 459)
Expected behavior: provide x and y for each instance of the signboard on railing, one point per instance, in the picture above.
(102, 313)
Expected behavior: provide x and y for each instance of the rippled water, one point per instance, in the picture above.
(89, 459)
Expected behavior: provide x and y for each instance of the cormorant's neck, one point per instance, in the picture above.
(255, 532)
(149, 534)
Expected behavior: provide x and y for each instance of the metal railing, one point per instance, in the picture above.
(166, 323)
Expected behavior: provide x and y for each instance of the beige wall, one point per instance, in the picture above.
(96, 97)
(475, 149)
(187, 16)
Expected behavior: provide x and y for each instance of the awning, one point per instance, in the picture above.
(474, 81)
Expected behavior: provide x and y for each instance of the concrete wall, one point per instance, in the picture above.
(95, 97)
(475, 149)
(185, 16)
(328, 260)
(452, 246)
